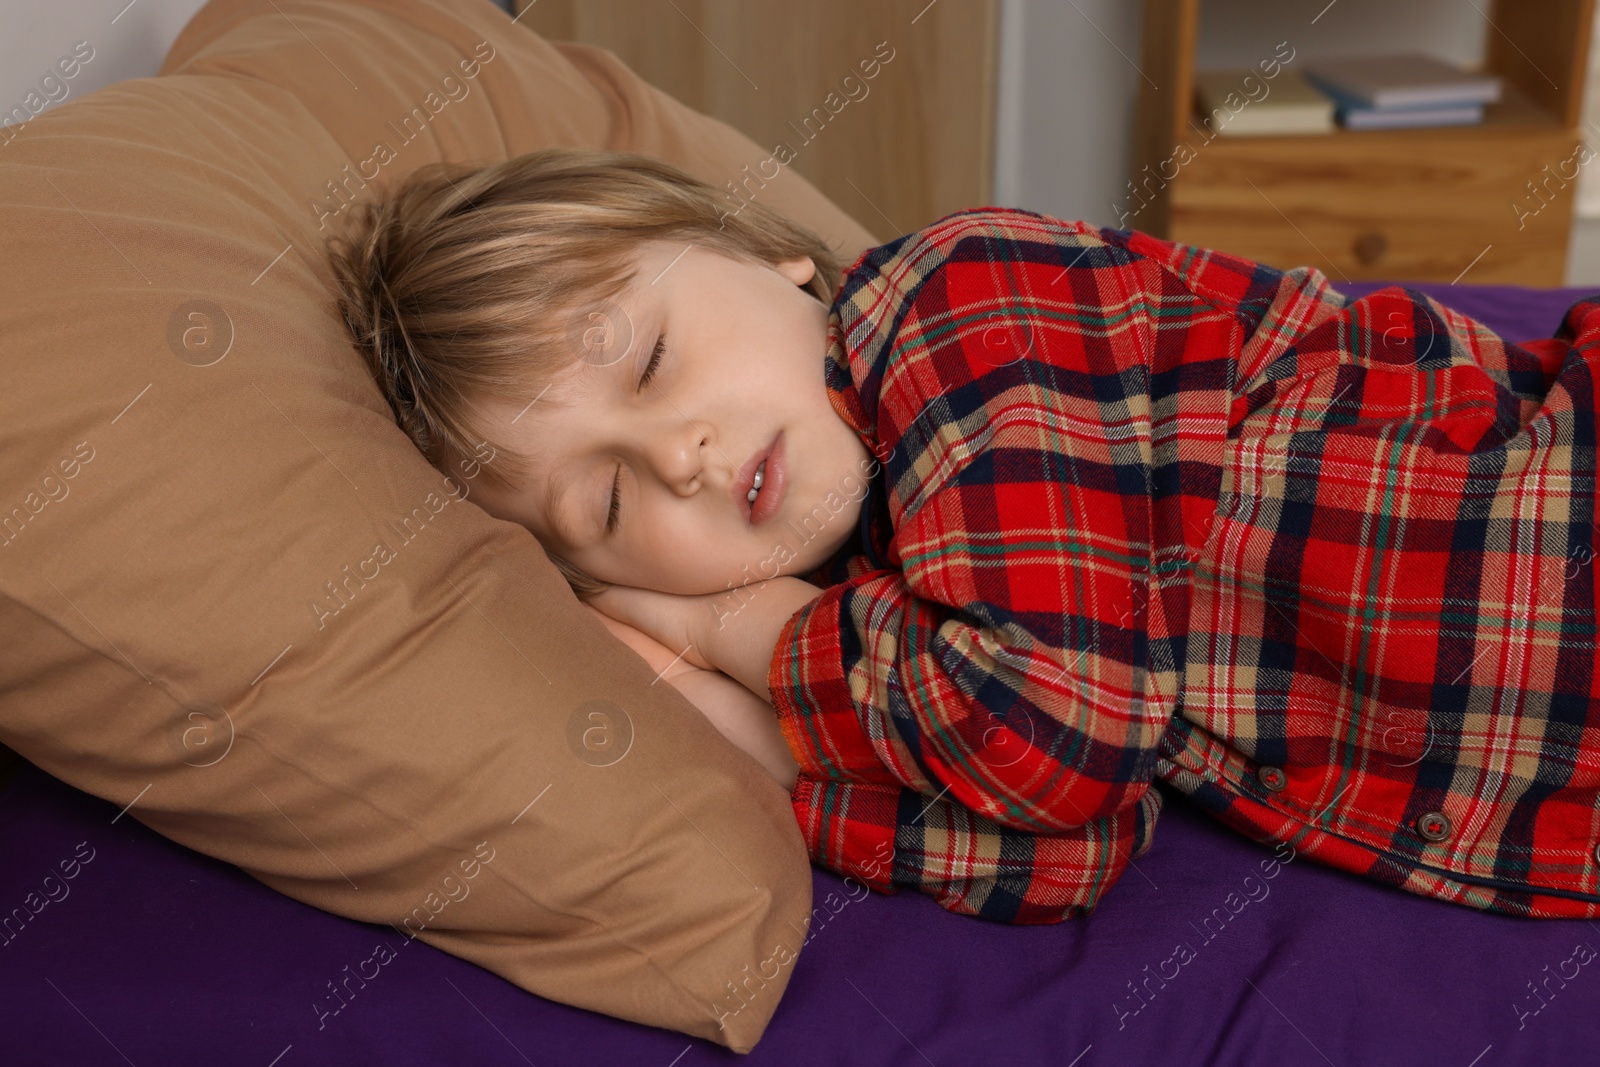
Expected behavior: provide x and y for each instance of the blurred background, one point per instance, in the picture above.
(902, 112)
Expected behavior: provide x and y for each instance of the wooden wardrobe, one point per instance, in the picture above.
(898, 150)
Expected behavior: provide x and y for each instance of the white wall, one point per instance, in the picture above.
(125, 38)
(127, 41)
(1067, 103)
(1236, 33)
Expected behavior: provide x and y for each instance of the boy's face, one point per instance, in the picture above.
(742, 364)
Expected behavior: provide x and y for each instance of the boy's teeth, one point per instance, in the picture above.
(761, 476)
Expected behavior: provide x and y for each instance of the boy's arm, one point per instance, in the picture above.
(738, 714)
(665, 662)
(743, 718)
(740, 643)
(888, 835)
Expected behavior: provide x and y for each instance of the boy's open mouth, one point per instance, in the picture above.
(760, 484)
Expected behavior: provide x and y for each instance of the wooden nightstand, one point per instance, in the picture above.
(1489, 203)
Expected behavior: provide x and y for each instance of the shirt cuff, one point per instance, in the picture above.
(808, 678)
(848, 828)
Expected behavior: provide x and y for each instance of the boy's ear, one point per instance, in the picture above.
(798, 270)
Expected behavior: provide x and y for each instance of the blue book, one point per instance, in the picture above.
(1376, 118)
(1357, 112)
(1405, 82)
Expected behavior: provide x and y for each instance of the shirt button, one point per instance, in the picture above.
(1273, 778)
(1434, 826)
(1597, 853)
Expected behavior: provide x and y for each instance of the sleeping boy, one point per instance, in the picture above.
(1067, 510)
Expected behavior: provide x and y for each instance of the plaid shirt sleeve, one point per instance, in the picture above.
(978, 718)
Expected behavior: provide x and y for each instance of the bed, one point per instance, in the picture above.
(152, 953)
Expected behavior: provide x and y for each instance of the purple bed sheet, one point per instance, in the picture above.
(158, 955)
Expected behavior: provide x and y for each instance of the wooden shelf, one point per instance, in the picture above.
(1416, 205)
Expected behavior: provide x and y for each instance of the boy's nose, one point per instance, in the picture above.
(681, 453)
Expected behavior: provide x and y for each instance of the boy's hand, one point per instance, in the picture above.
(744, 719)
(738, 714)
(740, 636)
(666, 662)
(732, 632)
(669, 618)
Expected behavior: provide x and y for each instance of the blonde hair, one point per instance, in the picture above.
(472, 279)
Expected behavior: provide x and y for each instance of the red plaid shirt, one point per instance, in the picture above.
(1150, 511)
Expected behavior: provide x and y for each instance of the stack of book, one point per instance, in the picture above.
(1403, 91)
(1370, 93)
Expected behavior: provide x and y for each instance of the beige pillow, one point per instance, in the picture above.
(237, 601)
